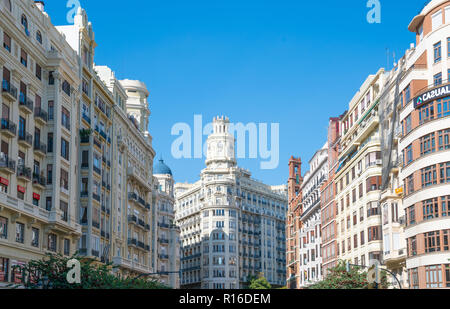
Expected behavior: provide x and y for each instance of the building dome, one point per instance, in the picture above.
(161, 168)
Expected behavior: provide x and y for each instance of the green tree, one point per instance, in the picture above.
(259, 283)
(339, 278)
(53, 269)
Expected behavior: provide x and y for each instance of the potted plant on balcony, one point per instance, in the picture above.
(84, 134)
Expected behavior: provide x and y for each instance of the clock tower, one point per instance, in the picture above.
(220, 151)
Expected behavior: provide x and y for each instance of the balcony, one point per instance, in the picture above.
(164, 225)
(141, 223)
(24, 173)
(8, 128)
(9, 92)
(97, 170)
(163, 257)
(141, 245)
(132, 197)
(132, 242)
(39, 181)
(96, 197)
(97, 143)
(7, 165)
(40, 149)
(40, 116)
(163, 240)
(132, 219)
(25, 104)
(25, 139)
(86, 118)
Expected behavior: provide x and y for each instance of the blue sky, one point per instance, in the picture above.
(296, 63)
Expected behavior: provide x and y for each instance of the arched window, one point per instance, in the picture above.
(24, 22)
(7, 4)
(39, 36)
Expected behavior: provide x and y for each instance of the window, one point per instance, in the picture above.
(20, 232)
(410, 184)
(433, 276)
(51, 78)
(447, 275)
(448, 44)
(7, 42)
(24, 22)
(427, 144)
(50, 110)
(430, 209)
(52, 242)
(66, 87)
(39, 36)
(50, 142)
(373, 183)
(409, 154)
(407, 125)
(49, 174)
(65, 118)
(373, 209)
(414, 278)
(65, 149)
(426, 113)
(4, 267)
(445, 206)
(429, 176)
(35, 237)
(24, 58)
(437, 52)
(412, 246)
(373, 158)
(48, 203)
(411, 215)
(64, 179)
(436, 20)
(3, 228)
(444, 172)
(66, 247)
(38, 71)
(432, 242)
(444, 139)
(373, 233)
(437, 79)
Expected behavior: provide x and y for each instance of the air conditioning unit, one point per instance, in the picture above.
(379, 162)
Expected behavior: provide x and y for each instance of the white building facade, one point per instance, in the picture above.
(232, 226)
(310, 233)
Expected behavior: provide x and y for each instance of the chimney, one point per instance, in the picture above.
(40, 5)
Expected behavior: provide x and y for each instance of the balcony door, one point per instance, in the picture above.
(5, 115)
(22, 126)
(4, 150)
(6, 75)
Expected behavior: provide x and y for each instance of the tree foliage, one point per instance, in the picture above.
(356, 278)
(53, 269)
(259, 283)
